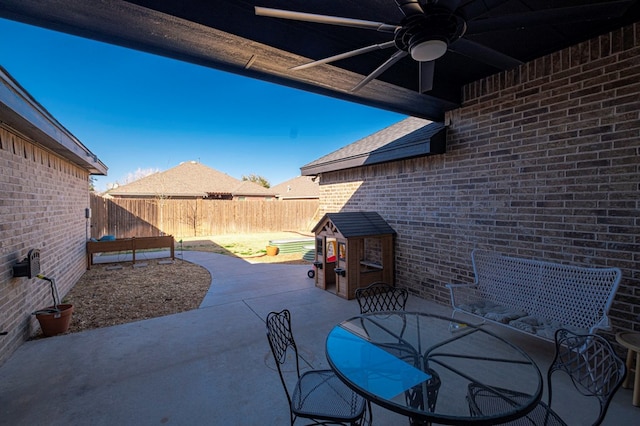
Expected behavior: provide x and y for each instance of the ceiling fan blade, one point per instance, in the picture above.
(409, 7)
(345, 55)
(454, 4)
(484, 54)
(382, 68)
(561, 15)
(324, 19)
(425, 75)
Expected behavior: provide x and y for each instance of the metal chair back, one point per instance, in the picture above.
(589, 360)
(318, 395)
(592, 364)
(381, 296)
(281, 340)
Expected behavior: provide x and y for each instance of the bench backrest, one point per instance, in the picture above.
(571, 295)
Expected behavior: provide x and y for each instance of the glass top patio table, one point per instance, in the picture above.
(421, 365)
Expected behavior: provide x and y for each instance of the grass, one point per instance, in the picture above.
(242, 245)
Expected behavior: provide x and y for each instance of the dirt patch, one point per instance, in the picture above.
(119, 293)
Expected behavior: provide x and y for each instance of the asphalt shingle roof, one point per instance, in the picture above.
(357, 224)
(408, 138)
(298, 187)
(190, 179)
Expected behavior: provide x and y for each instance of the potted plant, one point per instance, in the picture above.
(54, 319)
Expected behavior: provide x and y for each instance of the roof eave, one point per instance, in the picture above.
(298, 197)
(436, 144)
(21, 112)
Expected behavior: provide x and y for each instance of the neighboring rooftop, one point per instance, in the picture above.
(301, 187)
(188, 180)
(411, 137)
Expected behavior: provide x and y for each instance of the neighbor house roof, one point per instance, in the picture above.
(20, 111)
(190, 179)
(356, 224)
(251, 188)
(411, 137)
(299, 187)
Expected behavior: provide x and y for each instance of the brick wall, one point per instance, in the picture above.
(42, 202)
(541, 162)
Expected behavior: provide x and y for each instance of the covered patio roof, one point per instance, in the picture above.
(484, 38)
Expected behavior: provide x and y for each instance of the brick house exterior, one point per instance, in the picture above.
(44, 190)
(542, 161)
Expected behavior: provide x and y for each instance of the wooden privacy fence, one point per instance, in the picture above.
(125, 218)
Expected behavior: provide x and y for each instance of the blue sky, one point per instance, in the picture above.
(138, 111)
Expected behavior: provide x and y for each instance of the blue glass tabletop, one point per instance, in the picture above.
(386, 376)
(421, 365)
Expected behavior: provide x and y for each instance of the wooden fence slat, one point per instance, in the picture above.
(132, 217)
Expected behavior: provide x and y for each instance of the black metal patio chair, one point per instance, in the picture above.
(318, 395)
(595, 371)
(381, 296)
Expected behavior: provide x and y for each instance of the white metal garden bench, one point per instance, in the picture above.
(535, 296)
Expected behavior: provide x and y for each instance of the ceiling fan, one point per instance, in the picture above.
(430, 28)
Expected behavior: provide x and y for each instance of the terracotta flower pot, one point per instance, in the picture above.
(54, 322)
(272, 250)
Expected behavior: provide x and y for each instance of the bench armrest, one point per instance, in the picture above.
(452, 286)
(458, 288)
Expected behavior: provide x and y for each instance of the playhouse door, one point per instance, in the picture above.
(330, 264)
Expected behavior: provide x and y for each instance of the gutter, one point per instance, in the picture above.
(20, 112)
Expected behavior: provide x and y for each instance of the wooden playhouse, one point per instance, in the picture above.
(353, 250)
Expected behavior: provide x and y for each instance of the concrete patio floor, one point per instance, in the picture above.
(211, 365)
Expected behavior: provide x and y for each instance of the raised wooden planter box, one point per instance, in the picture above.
(129, 244)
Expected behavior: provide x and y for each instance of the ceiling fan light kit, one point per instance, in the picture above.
(427, 36)
(428, 50)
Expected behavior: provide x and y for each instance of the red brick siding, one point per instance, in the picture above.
(42, 202)
(541, 162)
